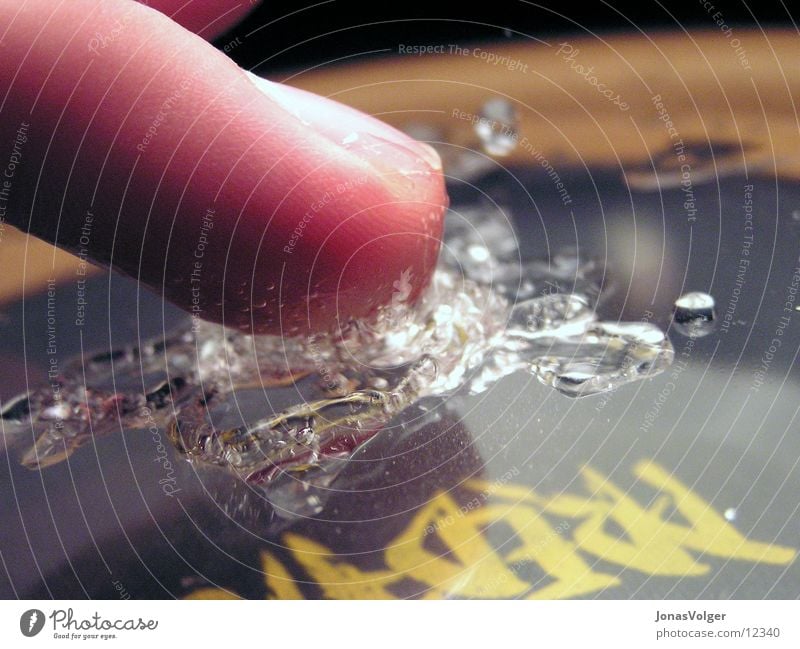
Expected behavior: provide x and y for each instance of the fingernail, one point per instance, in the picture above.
(352, 129)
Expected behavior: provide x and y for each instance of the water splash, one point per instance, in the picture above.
(284, 415)
(497, 127)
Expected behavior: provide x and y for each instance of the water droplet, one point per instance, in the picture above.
(497, 127)
(795, 215)
(16, 410)
(730, 514)
(478, 253)
(58, 411)
(694, 314)
(606, 357)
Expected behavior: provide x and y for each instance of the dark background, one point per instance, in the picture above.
(286, 35)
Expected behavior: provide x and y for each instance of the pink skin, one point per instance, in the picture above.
(317, 208)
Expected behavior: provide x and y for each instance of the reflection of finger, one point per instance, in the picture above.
(137, 144)
(208, 18)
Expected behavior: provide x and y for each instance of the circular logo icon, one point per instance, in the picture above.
(31, 622)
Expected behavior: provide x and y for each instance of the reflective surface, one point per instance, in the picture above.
(517, 491)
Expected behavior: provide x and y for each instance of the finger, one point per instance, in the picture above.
(138, 145)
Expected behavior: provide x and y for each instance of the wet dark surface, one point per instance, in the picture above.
(517, 492)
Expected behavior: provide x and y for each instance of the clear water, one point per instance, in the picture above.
(284, 415)
(497, 127)
(694, 314)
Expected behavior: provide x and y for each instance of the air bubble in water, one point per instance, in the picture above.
(730, 514)
(497, 127)
(694, 314)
